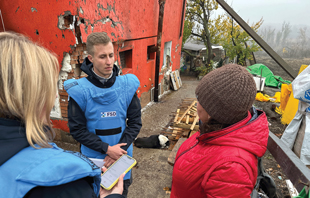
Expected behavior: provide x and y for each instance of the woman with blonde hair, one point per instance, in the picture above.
(30, 165)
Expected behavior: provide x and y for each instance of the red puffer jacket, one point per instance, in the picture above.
(222, 163)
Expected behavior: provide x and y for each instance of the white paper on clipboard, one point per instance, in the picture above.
(98, 162)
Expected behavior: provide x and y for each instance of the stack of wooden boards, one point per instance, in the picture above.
(183, 125)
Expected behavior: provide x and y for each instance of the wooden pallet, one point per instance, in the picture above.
(184, 122)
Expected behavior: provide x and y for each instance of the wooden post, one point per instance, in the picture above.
(159, 34)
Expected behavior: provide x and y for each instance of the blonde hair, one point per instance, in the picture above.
(95, 39)
(28, 85)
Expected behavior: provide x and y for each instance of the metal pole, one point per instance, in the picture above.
(258, 39)
(159, 35)
(292, 166)
(2, 21)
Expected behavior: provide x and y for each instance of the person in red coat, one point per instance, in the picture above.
(221, 159)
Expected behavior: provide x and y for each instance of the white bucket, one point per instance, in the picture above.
(260, 83)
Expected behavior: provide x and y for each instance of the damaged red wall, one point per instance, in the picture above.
(131, 24)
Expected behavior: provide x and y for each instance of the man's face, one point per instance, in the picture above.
(103, 59)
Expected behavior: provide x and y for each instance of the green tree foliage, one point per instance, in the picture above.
(198, 13)
(218, 30)
(188, 26)
(236, 42)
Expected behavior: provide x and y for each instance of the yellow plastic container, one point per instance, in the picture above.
(292, 104)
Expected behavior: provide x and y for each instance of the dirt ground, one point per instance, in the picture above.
(153, 172)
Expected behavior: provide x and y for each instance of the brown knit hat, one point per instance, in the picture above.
(227, 93)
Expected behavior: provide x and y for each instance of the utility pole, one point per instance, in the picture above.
(159, 35)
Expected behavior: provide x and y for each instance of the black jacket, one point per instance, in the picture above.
(13, 139)
(77, 120)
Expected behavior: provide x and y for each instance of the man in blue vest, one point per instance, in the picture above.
(104, 111)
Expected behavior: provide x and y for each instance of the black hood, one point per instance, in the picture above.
(87, 68)
(12, 138)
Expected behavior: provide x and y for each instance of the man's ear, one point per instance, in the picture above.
(90, 58)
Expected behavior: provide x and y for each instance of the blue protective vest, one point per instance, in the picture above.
(105, 109)
(44, 167)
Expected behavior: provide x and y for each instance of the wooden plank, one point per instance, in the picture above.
(187, 119)
(173, 128)
(194, 123)
(182, 112)
(179, 78)
(194, 109)
(177, 131)
(193, 103)
(176, 80)
(292, 166)
(174, 133)
(166, 132)
(178, 136)
(176, 116)
(174, 151)
(191, 120)
(193, 115)
(184, 126)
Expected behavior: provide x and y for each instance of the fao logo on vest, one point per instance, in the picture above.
(108, 114)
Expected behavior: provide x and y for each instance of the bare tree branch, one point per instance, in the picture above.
(196, 14)
(194, 34)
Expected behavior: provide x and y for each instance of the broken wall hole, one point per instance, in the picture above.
(33, 9)
(66, 21)
(70, 22)
(78, 54)
(70, 69)
(150, 52)
(126, 58)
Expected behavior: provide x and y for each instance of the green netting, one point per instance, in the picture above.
(271, 80)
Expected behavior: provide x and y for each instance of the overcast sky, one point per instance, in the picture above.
(297, 12)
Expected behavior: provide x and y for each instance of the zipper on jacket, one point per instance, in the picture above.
(186, 151)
